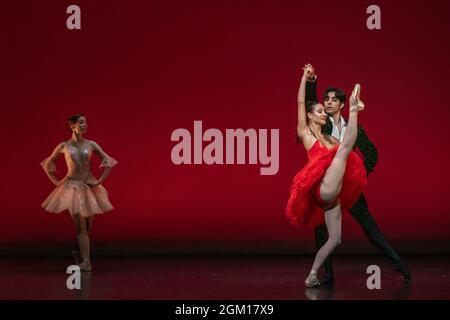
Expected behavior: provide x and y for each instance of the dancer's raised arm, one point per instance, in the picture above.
(302, 117)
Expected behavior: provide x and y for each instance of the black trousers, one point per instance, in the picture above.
(360, 212)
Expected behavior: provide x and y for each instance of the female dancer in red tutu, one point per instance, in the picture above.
(79, 191)
(333, 177)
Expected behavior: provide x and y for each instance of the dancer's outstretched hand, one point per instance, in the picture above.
(312, 76)
(308, 71)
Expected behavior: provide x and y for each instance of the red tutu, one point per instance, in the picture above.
(305, 207)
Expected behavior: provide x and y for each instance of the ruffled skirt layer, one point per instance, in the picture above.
(78, 198)
(305, 207)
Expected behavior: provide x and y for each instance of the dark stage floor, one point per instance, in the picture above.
(219, 278)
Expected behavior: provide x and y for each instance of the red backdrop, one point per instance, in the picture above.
(141, 69)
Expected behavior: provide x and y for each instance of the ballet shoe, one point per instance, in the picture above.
(356, 96)
(85, 267)
(312, 281)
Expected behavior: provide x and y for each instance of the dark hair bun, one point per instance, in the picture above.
(74, 119)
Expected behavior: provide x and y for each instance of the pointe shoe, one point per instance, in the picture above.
(356, 96)
(85, 267)
(312, 281)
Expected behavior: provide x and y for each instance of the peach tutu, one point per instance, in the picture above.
(78, 198)
(75, 192)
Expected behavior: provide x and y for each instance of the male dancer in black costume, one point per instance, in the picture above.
(334, 100)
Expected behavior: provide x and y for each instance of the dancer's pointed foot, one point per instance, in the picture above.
(312, 281)
(326, 279)
(76, 256)
(356, 104)
(403, 269)
(85, 266)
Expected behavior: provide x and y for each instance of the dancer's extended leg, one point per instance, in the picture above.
(330, 187)
(332, 181)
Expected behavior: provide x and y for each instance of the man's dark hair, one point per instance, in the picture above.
(339, 93)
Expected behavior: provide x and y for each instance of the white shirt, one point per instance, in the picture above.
(335, 132)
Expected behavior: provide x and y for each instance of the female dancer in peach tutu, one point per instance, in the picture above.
(332, 179)
(79, 191)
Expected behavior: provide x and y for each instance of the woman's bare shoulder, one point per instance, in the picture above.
(308, 140)
(62, 144)
(92, 143)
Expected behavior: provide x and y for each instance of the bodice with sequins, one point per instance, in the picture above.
(78, 160)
